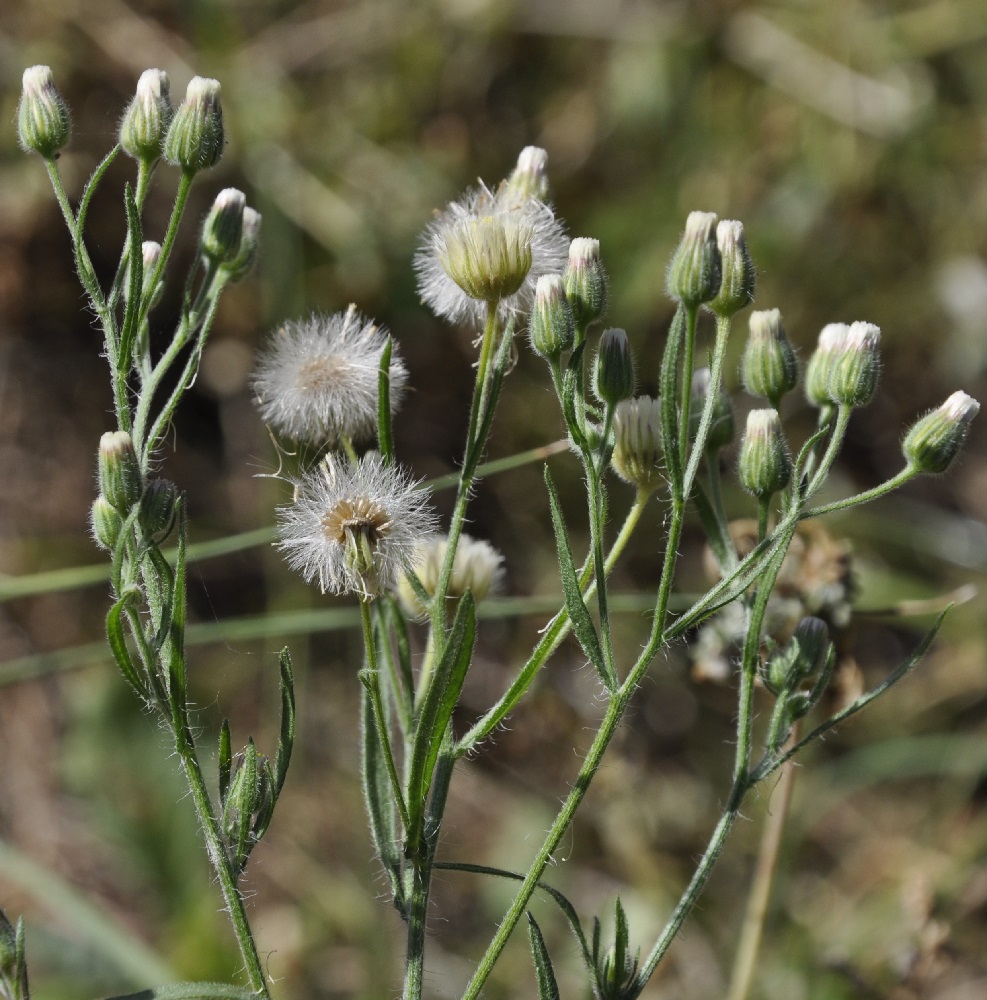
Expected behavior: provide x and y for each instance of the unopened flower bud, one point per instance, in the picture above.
(239, 267)
(195, 137)
(819, 370)
(586, 282)
(801, 658)
(150, 255)
(146, 120)
(935, 439)
(530, 176)
(488, 257)
(721, 428)
(770, 366)
(737, 269)
(853, 378)
(637, 442)
(159, 505)
(551, 327)
(120, 479)
(106, 523)
(43, 122)
(765, 465)
(613, 373)
(695, 271)
(223, 229)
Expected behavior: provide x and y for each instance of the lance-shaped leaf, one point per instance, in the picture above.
(436, 711)
(385, 436)
(286, 740)
(582, 623)
(669, 393)
(548, 988)
(118, 646)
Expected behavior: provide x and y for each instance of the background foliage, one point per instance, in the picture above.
(850, 139)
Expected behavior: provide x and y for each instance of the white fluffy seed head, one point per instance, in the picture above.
(353, 528)
(316, 380)
(514, 213)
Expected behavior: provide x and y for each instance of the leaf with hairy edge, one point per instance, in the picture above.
(582, 623)
(118, 646)
(377, 796)
(135, 280)
(225, 756)
(548, 988)
(436, 711)
(668, 391)
(286, 740)
(191, 991)
(385, 436)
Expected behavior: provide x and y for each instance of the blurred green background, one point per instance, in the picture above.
(850, 138)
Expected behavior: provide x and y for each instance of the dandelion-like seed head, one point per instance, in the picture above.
(354, 528)
(489, 248)
(316, 381)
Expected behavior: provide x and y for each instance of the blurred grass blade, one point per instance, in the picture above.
(191, 991)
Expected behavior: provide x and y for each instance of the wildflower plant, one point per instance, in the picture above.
(357, 523)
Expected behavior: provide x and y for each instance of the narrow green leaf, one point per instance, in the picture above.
(394, 624)
(548, 988)
(385, 435)
(177, 675)
(668, 390)
(436, 710)
(568, 910)
(286, 740)
(377, 795)
(225, 756)
(191, 991)
(135, 280)
(118, 647)
(582, 623)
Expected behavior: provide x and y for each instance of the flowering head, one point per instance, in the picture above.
(551, 328)
(637, 442)
(853, 377)
(586, 281)
(238, 267)
(146, 120)
(353, 528)
(223, 229)
(195, 137)
(317, 379)
(44, 125)
(934, 440)
(738, 273)
(765, 464)
(476, 567)
(488, 250)
(695, 269)
(530, 176)
(770, 366)
(830, 344)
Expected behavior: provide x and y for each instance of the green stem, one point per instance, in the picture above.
(221, 864)
(685, 387)
(883, 489)
(177, 211)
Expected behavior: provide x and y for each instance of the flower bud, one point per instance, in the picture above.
(765, 465)
(801, 658)
(146, 120)
(530, 176)
(737, 269)
(819, 370)
(13, 967)
(853, 377)
(120, 479)
(488, 257)
(223, 229)
(770, 367)
(43, 122)
(637, 442)
(239, 267)
(721, 428)
(613, 373)
(195, 136)
(695, 270)
(586, 282)
(935, 439)
(106, 523)
(551, 327)
(158, 508)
